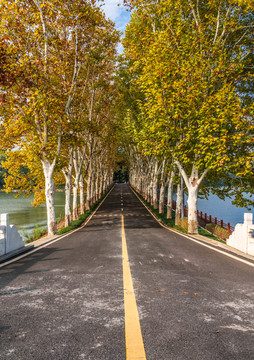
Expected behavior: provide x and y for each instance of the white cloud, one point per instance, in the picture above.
(116, 11)
(112, 10)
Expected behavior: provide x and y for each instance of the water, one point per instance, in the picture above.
(24, 215)
(223, 209)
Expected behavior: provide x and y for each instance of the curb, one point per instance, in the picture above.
(224, 249)
(15, 253)
(30, 249)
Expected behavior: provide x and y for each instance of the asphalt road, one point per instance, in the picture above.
(66, 301)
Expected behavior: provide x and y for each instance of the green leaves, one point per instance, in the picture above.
(189, 66)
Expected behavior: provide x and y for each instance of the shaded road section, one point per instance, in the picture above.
(66, 301)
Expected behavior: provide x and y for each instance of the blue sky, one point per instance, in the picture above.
(118, 14)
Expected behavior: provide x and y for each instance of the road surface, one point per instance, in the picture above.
(122, 282)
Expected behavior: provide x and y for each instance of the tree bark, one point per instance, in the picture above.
(92, 187)
(192, 210)
(48, 170)
(162, 190)
(67, 205)
(81, 195)
(88, 190)
(178, 213)
(78, 161)
(155, 186)
(97, 185)
(68, 177)
(170, 196)
(192, 184)
(67, 171)
(75, 201)
(162, 198)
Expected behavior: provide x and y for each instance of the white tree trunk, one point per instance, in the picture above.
(100, 185)
(81, 195)
(92, 187)
(170, 196)
(155, 194)
(192, 184)
(182, 191)
(155, 185)
(75, 201)
(147, 190)
(88, 191)
(162, 189)
(78, 161)
(67, 205)
(48, 170)
(178, 213)
(105, 181)
(162, 198)
(192, 210)
(67, 171)
(150, 193)
(97, 186)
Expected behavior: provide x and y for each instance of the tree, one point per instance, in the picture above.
(191, 63)
(49, 44)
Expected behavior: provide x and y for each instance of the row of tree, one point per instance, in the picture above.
(186, 81)
(182, 94)
(58, 60)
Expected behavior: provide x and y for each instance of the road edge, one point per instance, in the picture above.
(23, 252)
(219, 247)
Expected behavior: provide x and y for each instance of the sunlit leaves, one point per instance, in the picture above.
(191, 61)
(56, 76)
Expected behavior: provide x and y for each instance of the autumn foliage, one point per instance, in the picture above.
(193, 65)
(56, 77)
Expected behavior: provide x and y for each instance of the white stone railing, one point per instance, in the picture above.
(10, 239)
(242, 238)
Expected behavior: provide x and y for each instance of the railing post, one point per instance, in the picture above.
(210, 218)
(215, 220)
(4, 219)
(221, 223)
(229, 228)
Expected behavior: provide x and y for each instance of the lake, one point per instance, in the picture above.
(222, 209)
(24, 215)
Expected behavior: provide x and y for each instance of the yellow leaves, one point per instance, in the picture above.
(248, 4)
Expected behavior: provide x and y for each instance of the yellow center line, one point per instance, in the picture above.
(133, 336)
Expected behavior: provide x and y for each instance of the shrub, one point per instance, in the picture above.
(218, 231)
(65, 229)
(184, 223)
(35, 234)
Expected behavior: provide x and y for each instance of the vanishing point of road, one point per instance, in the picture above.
(123, 287)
